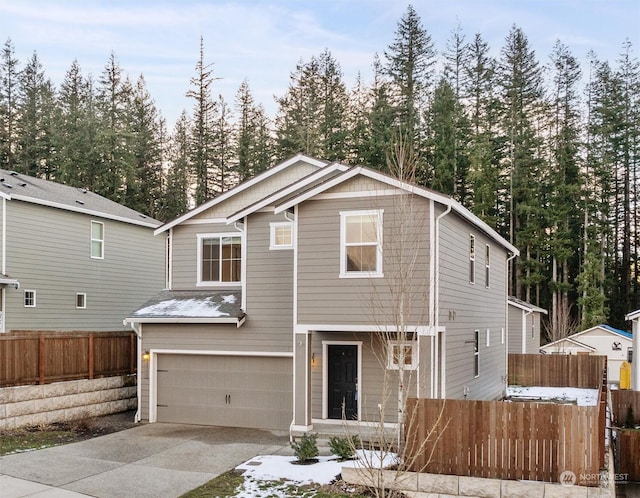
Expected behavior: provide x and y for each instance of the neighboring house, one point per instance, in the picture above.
(72, 260)
(599, 340)
(634, 318)
(524, 327)
(284, 299)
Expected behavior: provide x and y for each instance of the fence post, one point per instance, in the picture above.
(91, 357)
(41, 359)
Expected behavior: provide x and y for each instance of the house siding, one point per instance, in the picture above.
(466, 307)
(515, 330)
(326, 298)
(48, 250)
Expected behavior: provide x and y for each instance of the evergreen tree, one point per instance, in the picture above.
(9, 84)
(114, 136)
(175, 199)
(358, 124)
(204, 112)
(521, 85)
(36, 118)
(381, 119)
(253, 141)
(144, 183)
(223, 174)
(411, 58)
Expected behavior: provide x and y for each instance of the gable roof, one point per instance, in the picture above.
(398, 184)
(240, 188)
(550, 345)
(523, 305)
(574, 337)
(16, 186)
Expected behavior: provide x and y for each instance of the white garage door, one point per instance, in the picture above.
(231, 391)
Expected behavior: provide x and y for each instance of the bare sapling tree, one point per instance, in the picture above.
(398, 304)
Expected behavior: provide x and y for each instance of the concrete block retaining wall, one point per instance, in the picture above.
(24, 406)
(421, 485)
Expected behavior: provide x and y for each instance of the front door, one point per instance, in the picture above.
(342, 361)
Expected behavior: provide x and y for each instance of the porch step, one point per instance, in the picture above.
(370, 437)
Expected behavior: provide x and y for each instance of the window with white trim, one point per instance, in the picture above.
(219, 258)
(81, 300)
(488, 337)
(502, 335)
(29, 299)
(487, 265)
(476, 353)
(472, 259)
(401, 354)
(281, 235)
(97, 240)
(361, 243)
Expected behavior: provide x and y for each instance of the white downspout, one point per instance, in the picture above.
(524, 330)
(435, 302)
(506, 316)
(4, 263)
(137, 328)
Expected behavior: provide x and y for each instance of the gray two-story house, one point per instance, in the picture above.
(70, 259)
(292, 299)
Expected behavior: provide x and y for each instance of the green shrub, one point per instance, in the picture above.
(343, 447)
(629, 421)
(306, 449)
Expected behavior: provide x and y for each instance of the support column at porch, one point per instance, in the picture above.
(302, 382)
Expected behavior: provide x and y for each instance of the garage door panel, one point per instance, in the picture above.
(237, 391)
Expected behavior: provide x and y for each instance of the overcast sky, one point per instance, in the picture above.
(263, 40)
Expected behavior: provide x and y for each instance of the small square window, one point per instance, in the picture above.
(81, 300)
(281, 236)
(29, 299)
(399, 353)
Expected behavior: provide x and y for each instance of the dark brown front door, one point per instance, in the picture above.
(342, 381)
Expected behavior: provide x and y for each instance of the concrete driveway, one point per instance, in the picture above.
(147, 461)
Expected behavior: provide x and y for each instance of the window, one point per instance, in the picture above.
(472, 259)
(281, 236)
(476, 353)
(488, 337)
(487, 265)
(502, 335)
(219, 259)
(97, 240)
(29, 299)
(630, 355)
(399, 353)
(361, 243)
(81, 300)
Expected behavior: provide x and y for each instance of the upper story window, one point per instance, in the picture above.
(97, 240)
(281, 236)
(219, 258)
(476, 353)
(472, 259)
(361, 243)
(487, 265)
(29, 299)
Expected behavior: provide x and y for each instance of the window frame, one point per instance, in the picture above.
(32, 299)
(392, 364)
(99, 240)
(201, 237)
(273, 228)
(487, 266)
(472, 259)
(84, 300)
(476, 353)
(344, 215)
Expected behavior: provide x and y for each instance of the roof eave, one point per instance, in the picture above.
(235, 320)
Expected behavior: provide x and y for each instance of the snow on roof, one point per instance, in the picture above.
(192, 304)
(579, 396)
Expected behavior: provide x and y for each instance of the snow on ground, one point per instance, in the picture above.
(277, 468)
(582, 397)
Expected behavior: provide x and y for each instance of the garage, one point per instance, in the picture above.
(229, 390)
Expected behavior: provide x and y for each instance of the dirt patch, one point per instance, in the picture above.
(43, 436)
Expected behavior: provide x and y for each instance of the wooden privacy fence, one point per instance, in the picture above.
(556, 370)
(628, 454)
(620, 403)
(45, 357)
(504, 440)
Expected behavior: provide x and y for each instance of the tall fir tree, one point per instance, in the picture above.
(381, 119)
(223, 174)
(178, 177)
(204, 113)
(9, 85)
